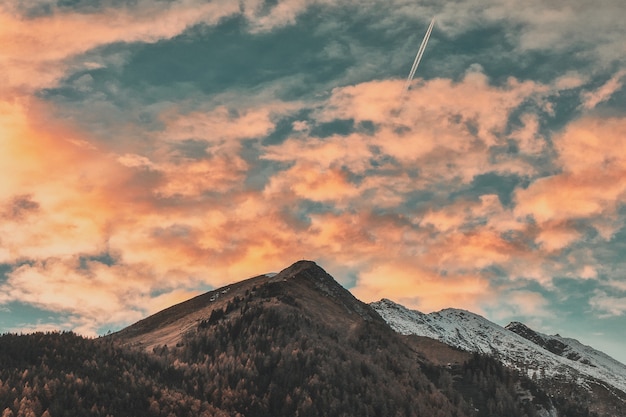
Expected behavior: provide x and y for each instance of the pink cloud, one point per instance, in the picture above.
(90, 296)
(531, 307)
(61, 286)
(528, 303)
(466, 214)
(539, 25)
(593, 143)
(333, 152)
(314, 183)
(36, 50)
(221, 125)
(438, 106)
(281, 14)
(608, 305)
(552, 238)
(528, 137)
(592, 98)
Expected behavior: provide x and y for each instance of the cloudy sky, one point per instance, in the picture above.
(151, 150)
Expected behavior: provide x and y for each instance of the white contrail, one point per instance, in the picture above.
(418, 57)
(420, 53)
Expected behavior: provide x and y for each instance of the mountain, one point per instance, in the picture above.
(289, 344)
(316, 291)
(294, 343)
(553, 360)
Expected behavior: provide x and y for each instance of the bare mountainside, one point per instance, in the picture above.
(323, 298)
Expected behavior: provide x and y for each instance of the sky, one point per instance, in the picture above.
(153, 150)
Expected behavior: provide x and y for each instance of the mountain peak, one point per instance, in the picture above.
(311, 273)
(307, 274)
(304, 284)
(388, 302)
(553, 345)
(524, 331)
(527, 333)
(515, 325)
(303, 267)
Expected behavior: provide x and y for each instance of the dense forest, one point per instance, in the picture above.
(62, 374)
(267, 351)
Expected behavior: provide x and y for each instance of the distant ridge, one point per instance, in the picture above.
(538, 355)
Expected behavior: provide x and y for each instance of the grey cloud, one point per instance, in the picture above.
(19, 207)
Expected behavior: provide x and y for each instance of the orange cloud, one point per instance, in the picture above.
(172, 221)
(343, 235)
(528, 303)
(164, 242)
(44, 160)
(421, 289)
(193, 178)
(593, 182)
(311, 182)
(470, 251)
(464, 214)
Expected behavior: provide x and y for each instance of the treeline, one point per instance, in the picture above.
(495, 390)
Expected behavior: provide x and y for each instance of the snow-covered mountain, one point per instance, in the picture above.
(518, 346)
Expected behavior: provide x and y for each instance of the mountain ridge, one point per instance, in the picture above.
(533, 353)
(292, 343)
